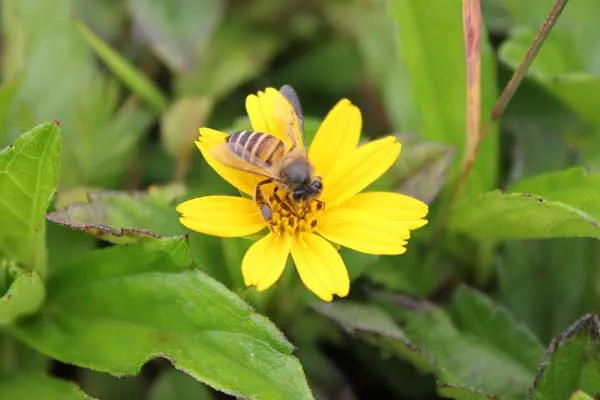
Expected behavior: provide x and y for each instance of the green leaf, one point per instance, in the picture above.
(117, 308)
(437, 110)
(24, 296)
(579, 395)
(130, 76)
(482, 346)
(38, 386)
(574, 186)
(572, 362)
(476, 350)
(178, 31)
(375, 326)
(174, 385)
(28, 178)
(121, 217)
(496, 215)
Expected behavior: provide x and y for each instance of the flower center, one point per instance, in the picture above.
(290, 216)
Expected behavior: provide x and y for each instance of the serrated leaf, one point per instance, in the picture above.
(117, 308)
(28, 178)
(134, 79)
(372, 324)
(438, 108)
(476, 350)
(482, 347)
(38, 386)
(24, 296)
(572, 362)
(121, 217)
(496, 215)
(177, 30)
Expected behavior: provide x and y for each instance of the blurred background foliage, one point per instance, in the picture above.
(131, 81)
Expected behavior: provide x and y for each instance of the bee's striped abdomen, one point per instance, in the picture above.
(256, 147)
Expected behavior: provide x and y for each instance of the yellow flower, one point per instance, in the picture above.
(371, 222)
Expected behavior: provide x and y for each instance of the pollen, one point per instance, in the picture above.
(292, 217)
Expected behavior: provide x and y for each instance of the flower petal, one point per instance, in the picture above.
(224, 216)
(337, 136)
(374, 223)
(270, 112)
(265, 260)
(320, 266)
(359, 169)
(243, 181)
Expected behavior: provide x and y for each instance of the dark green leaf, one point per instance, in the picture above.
(117, 308)
(175, 385)
(28, 178)
(178, 31)
(476, 351)
(482, 347)
(437, 110)
(372, 324)
(572, 362)
(497, 215)
(38, 386)
(535, 285)
(121, 217)
(16, 356)
(104, 386)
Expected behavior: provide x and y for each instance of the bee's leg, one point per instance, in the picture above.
(259, 198)
(285, 203)
(320, 205)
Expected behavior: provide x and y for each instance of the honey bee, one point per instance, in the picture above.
(268, 156)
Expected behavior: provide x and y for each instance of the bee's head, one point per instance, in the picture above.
(310, 189)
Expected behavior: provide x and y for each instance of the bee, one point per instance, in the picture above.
(268, 156)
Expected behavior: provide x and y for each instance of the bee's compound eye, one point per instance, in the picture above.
(317, 185)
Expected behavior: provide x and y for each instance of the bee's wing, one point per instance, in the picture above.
(290, 94)
(288, 112)
(223, 154)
